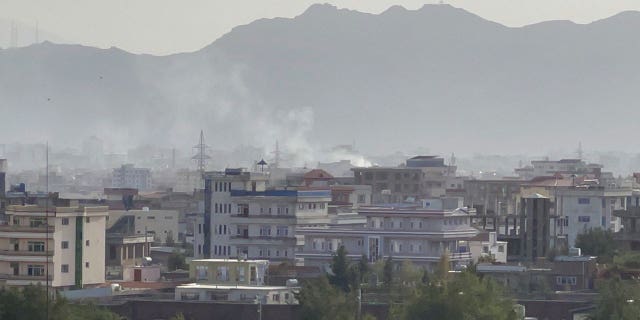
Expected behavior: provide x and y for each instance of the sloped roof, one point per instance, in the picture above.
(317, 174)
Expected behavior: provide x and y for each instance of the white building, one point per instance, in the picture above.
(419, 235)
(265, 224)
(587, 207)
(67, 243)
(234, 280)
(486, 245)
(213, 232)
(540, 168)
(128, 176)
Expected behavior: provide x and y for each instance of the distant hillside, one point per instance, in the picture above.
(438, 77)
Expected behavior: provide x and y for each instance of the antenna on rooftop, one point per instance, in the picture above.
(201, 156)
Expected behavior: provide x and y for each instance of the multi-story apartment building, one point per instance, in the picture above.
(419, 235)
(65, 243)
(213, 232)
(582, 208)
(540, 168)
(128, 176)
(629, 236)
(421, 176)
(265, 224)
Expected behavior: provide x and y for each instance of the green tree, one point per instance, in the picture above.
(342, 274)
(597, 242)
(319, 300)
(178, 316)
(176, 261)
(387, 273)
(409, 275)
(363, 268)
(618, 299)
(444, 265)
(464, 296)
(30, 304)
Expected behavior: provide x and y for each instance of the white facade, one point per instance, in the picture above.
(128, 176)
(419, 235)
(72, 251)
(265, 224)
(212, 232)
(582, 208)
(487, 246)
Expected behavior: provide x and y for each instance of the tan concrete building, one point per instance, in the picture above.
(65, 243)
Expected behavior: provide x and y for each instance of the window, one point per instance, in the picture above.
(275, 297)
(500, 248)
(584, 201)
(240, 273)
(282, 231)
(563, 280)
(202, 272)
(88, 219)
(35, 246)
(86, 243)
(223, 273)
(86, 264)
(265, 230)
(64, 244)
(361, 198)
(64, 268)
(65, 221)
(37, 222)
(485, 249)
(584, 218)
(35, 270)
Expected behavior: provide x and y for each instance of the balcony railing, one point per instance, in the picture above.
(269, 238)
(25, 253)
(263, 216)
(6, 276)
(15, 228)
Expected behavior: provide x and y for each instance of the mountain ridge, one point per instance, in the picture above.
(330, 74)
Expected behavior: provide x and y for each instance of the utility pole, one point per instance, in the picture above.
(46, 225)
(259, 300)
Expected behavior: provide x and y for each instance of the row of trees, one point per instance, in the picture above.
(410, 292)
(30, 303)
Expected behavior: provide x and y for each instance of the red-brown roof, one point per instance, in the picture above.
(318, 174)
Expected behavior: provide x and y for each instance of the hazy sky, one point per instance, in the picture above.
(169, 26)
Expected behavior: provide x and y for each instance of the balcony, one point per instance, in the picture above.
(241, 239)
(631, 212)
(7, 276)
(263, 216)
(15, 228)
(25, 253)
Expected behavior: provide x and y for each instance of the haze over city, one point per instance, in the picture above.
(350, 160)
